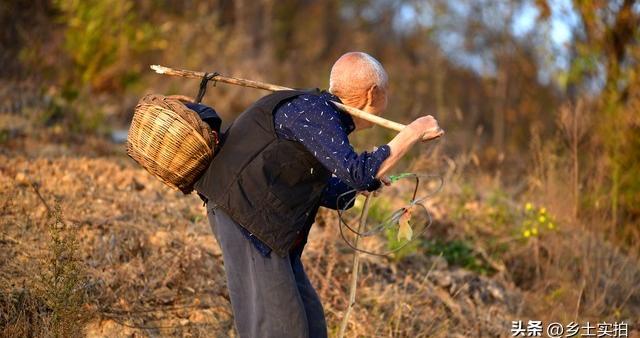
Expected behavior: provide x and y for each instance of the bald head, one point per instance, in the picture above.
(359, 80)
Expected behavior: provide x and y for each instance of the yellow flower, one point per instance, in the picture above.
(551, 225)
(543, 210)
(542, 219)
(534, 231)
(527, 233)
(528, 206)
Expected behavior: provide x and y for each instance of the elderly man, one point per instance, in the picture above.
(281, 159)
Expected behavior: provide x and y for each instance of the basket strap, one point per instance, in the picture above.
(203, 85)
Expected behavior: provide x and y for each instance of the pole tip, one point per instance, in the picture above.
(158, 69)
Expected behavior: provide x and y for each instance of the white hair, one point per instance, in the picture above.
(364, 68)
(381, 74)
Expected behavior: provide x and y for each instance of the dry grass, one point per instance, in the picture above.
(140, 250)
(151, 267)
(585, 272)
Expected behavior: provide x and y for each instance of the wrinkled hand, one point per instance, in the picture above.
(426, 128)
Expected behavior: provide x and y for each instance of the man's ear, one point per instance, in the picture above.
(372, 95)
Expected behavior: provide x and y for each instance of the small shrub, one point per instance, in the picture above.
(62, 281)
(458, 253)
(499, 212)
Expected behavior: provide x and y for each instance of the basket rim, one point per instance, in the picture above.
(178, 117)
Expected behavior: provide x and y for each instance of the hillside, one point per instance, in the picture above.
(134, 258)
(150, 265)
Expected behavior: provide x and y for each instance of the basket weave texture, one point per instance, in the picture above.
(170, 141)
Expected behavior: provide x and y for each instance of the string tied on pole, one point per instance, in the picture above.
(203, 85)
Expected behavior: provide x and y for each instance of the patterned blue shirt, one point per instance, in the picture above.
(323, 129)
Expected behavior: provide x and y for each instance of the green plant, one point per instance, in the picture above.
(499, 212)
(391, 233)
(458, 253)
(100, 34)
(380, 209)
(105, 44)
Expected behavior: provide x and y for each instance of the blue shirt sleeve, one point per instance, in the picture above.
(317, 124)
(337, 194)
(337, 189)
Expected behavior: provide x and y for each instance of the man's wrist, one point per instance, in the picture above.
(414, 133)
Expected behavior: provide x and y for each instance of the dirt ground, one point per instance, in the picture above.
(153, 267)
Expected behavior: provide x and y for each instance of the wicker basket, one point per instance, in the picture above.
(170, 141)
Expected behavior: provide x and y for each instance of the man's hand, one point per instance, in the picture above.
(422, 129)
(426, 128)
(385, 181)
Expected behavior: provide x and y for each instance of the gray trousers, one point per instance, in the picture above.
(270, 296)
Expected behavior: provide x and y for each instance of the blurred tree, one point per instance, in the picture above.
(457, 60)
(604, 68)
(607, 45)
(103, 39)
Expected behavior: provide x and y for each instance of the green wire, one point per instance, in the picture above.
(394, 178)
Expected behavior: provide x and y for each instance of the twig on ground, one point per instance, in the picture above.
(35, 188)
(356, 266)
(6, 239)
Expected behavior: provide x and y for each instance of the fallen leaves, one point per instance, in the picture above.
(404, 228)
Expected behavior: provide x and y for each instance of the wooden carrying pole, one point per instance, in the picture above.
(271, 87)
